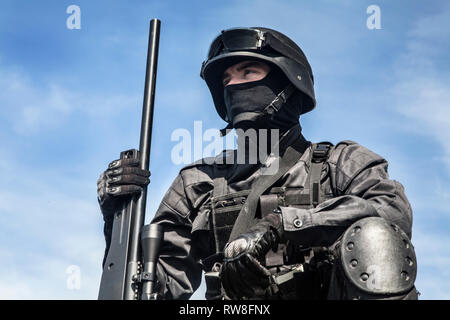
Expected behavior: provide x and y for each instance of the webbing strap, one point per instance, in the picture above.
(220, 185)
(246, 216)
(279, 100)
(319, 155)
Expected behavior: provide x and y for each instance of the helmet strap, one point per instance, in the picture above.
(279, 101)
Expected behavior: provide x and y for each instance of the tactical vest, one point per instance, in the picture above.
(289, 262)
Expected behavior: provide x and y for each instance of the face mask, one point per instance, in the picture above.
(245, 103)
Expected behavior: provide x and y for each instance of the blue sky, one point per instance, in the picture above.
(71, 101)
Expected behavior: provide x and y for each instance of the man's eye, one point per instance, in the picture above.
(250, 71)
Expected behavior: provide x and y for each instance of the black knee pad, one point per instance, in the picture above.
(378, 258)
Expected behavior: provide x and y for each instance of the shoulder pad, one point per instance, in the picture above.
(346, 143)
(226, 157)
(335, 153)
(358, 152)
(350, 159)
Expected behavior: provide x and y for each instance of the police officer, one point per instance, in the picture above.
(328, 223)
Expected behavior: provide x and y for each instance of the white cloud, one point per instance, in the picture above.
(44, 229)
(433, 255)
(425, 103)
(48, 223)
(423, 86)
(46, 277)
(30, 107)
(27, 106)
(421, 96)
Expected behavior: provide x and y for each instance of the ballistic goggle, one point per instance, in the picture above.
(246, 39)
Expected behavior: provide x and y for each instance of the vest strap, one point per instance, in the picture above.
(320, 152)
(246, 217)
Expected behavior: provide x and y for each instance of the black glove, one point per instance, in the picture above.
(122, 179)
(242, 273)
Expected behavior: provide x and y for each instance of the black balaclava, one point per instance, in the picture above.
(245, 103)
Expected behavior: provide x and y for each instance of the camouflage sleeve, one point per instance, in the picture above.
(179, 274)
(362, 187)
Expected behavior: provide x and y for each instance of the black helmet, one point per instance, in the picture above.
(238, 44)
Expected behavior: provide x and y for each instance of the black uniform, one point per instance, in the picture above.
(337, 227)
(354, 181)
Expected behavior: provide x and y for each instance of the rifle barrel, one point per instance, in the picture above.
(144, 150)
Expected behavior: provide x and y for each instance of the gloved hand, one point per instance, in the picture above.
(122, 179)
(242, 273)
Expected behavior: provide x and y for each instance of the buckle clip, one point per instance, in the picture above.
(320, 153)
(261, 40)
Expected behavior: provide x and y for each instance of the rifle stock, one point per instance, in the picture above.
(121, 275)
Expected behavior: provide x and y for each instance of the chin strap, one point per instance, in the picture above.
(271, 109)
(279, 101)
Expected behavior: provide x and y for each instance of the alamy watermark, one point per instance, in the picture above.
(73, 281)
(253, 146)
(374, 20)
(74, 20)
